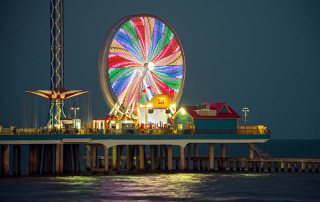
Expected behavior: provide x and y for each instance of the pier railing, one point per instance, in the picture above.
(185, 131)
(155, 131)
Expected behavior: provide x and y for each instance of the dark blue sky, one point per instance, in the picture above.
(264, 54)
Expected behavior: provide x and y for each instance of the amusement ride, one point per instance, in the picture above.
(141, 57)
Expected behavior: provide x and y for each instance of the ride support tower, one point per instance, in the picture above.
(57, 94)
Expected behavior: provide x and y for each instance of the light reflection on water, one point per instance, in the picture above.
(166, 187)
(159, 185)
(163, 185)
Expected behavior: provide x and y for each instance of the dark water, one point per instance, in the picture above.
(165, 187)
(179, 187)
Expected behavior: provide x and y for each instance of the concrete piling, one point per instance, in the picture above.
(251, 151)
(269, 166)
(211, 157)
(114, 157)
(128, 159)
(106, 160)
(47, 159)
(262, 166)
(34, 159)
(141, 158)
(223, 156)
(59, 159)
(169, 149)
(88, 158)
(195, 155)
(289, 166)
(282, 165)
(296, 168)
(94, 158)
(303, 167)
(182, 158)
(160, 158)
(70, 159)
(238, 166)
(16, 160)
(5, 160)
(310, 169)
(276, 166)
(189, 157)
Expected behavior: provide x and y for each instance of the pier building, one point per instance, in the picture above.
(208, 116)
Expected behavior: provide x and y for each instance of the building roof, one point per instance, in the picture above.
(223, 111)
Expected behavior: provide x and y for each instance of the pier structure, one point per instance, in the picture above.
(144, 153)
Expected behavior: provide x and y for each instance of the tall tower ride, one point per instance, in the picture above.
(57, 94)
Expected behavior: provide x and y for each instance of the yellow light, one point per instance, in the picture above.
(173, 106)
(149, 105)
(141, 106)
(183, 112)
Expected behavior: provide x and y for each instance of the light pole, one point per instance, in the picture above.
(75, 108)
(245, 110)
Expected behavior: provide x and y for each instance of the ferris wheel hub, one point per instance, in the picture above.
(149, 65)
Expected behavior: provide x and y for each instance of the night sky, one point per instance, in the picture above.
(263, 54)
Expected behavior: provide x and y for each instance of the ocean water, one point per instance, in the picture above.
(164, 187)
(179, 186)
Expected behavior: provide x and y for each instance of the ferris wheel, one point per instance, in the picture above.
(141, 57)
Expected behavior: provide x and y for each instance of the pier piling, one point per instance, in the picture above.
(223, 156)
(5, 160)
(106, 160)
(16, 160)
(169, 148)
(195, 155)
(141, 158)
(211, 157)
(182, 159)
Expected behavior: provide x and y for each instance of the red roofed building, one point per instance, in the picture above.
(209, 115)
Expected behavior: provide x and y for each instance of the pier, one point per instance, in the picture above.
(145, 153)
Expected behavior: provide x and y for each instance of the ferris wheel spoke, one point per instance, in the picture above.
(172, 80)
(140, 30)
(170, 70)
(166, 37)
(127, 41)
(136, 85)
(117, 73)
(119, 50)
(173, 59)
(131, 31)
(119, 62)
(147, 89)
(166, 89)
(149, 22)
(169, 49)
(121, 79)
(156, 38)
(154, 85)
